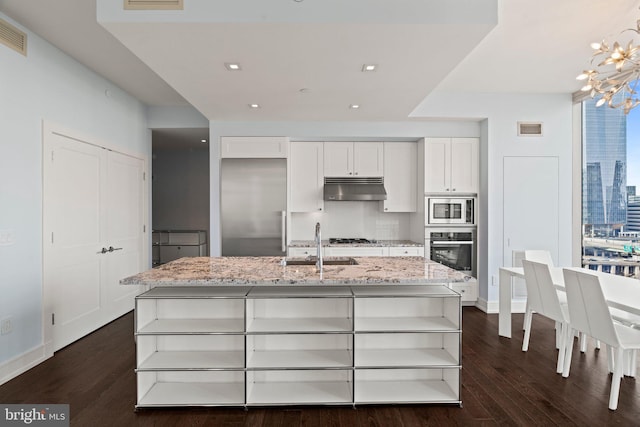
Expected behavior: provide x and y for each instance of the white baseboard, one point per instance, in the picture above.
(483, 305)
(16, 366)
(493, 307)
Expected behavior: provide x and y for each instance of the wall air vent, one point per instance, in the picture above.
(12, 37)
(154, 4)
(529, 128)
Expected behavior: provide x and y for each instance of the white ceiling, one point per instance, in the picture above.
(283, 46)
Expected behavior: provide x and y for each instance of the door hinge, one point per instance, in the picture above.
(53, 318)
(52, 237)
(144, 176)
(52, 155)
(144, 228)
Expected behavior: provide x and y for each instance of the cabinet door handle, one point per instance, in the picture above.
(453, 189)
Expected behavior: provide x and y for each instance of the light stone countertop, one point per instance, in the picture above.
(205, 271)
(375, 243)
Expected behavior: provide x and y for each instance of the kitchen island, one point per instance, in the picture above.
(251, 331)
(258, 271)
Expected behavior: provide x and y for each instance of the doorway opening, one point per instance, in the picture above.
(180, 193)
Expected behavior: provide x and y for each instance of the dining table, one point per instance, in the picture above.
(621, 293)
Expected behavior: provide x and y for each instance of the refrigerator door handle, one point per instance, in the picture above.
(284, 230)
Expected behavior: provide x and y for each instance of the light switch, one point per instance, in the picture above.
(7, 238)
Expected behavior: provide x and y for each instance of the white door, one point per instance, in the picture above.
(124, 219)
(92, 200)
(531, 208)
(73, 235)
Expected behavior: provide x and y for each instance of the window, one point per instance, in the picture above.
(610, 177)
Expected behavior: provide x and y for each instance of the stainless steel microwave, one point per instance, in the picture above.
(450, 210)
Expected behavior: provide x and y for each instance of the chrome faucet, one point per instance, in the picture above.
(318, 240)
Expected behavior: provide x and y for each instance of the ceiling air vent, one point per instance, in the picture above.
(12, 37)
(529, 129)
(154, 4)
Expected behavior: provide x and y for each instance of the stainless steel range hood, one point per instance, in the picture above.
(360, 189)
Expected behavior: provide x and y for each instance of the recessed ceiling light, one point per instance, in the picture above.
(254, 105)
(354, 106)
(232, 66)
(369, 67)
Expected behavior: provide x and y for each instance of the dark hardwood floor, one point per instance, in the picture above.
(501, 385)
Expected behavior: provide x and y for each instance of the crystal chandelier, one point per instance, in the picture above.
(616, 73)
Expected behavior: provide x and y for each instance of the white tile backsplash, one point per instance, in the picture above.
(352, 219)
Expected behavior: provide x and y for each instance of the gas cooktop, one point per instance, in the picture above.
(351, 240)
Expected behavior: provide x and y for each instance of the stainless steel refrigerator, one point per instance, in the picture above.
(253, 206)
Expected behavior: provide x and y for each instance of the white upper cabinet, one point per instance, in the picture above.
(437, 164)
(400, 176)
(451, 165)
(306, 168)
(256, 147)
(464, 165)
(364, 159)
(368, 158)
(338, 158)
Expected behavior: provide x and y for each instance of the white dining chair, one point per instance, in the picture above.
(590, 314)
(539, 256)
(543, 299)
(536, 255)
(544, 256)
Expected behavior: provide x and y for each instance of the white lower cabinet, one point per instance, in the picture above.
(356, 251)
(406, 250)
(304, 252)
(311, 345)
(359, 251)
(468, 291)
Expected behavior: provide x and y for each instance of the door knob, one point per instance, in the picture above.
(103, 251)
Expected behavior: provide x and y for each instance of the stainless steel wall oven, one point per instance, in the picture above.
(453, 247)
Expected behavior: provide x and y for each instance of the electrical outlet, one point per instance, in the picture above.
(6, 326)
(494, 280)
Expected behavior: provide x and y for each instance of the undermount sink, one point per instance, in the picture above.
(325, 261)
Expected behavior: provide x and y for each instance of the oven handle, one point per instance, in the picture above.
(452, 243)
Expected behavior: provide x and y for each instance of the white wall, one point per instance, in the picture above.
(45, 85)
(353, 219)
(319, 131)
(181, 189)
(498, 140)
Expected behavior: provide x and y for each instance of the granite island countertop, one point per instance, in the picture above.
(373, 243)
(205, 271)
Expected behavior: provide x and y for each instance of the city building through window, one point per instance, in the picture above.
(611, 189)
